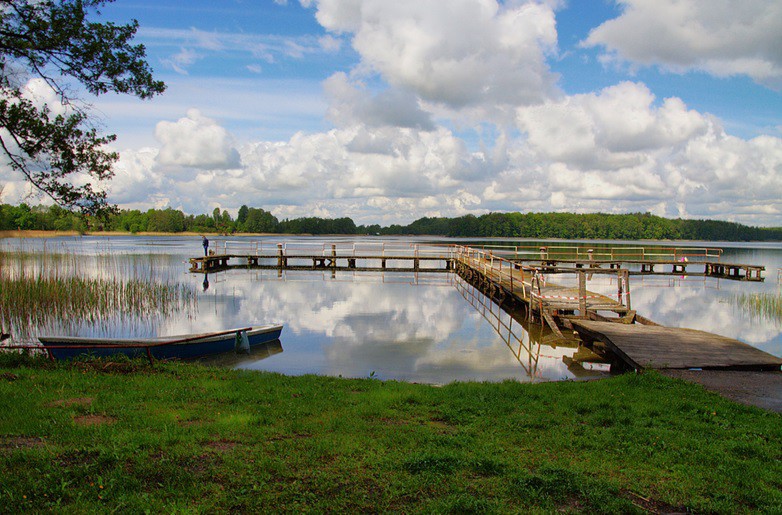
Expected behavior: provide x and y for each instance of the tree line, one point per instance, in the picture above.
(634, 226)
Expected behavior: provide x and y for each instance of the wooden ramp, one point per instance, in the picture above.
(644, 346)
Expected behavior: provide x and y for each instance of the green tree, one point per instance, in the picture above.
(259, 220)
(241, 217)
(55, 41)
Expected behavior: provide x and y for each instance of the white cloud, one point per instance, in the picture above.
(474, 53)
(350, 105)
(617, 146)
(720, 37)
(196, 45)
(40, 93)
(196, 141)
(180, 61)
(616, 150)
(447, 112)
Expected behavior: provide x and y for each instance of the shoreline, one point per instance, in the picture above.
(35, 233)
(27, 233)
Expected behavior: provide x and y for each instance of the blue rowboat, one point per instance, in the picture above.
(186, 346)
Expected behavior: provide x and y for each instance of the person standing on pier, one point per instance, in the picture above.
(205, 243)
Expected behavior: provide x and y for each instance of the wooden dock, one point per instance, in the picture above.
(644, 346)
(602, 321)
(720, 270)
(224, 262)
(330, 257)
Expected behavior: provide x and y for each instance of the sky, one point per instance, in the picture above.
(388, 111)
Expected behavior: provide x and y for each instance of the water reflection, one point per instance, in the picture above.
(391, 326)
(238, 359)
(415, 327)
(531, 342)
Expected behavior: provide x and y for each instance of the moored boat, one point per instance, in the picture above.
(186, 346)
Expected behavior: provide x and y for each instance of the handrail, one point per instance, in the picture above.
(549, 252)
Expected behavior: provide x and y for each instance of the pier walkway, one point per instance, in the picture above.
(644, 346)
(508, 277)
(690, 261)
(353, 257)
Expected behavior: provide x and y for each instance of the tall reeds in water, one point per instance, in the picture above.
(66, 291)
(764, 306)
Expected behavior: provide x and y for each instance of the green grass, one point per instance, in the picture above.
(127, 436)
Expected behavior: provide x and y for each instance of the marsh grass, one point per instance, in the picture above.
(87, 437)
(62, 291)
(762, 306)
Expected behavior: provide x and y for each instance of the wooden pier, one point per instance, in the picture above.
(600, 320)
(733, 271)
(605, 322)
(687, 261)
(224, 262)
(644, 346)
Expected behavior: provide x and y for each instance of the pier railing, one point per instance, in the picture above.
(512, 275)
(640, 253)
(531, 281)
(342, 249)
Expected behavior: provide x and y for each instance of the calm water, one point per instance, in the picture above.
(429, 328)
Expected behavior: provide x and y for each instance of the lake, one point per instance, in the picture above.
(425, 327)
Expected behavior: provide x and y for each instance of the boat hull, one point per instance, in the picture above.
(64, 348)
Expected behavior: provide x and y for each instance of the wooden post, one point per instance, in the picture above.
(627, 287)
(619, 287)
(333, 256)
(280, 256)
(543, 253)
(582, 301)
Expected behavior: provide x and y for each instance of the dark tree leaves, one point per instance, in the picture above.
(60, 154)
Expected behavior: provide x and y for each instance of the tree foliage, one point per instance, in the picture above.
(58, 148)
(635, 226)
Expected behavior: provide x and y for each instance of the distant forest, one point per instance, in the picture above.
(633, 226)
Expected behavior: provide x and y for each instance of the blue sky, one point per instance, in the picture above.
(389, 111)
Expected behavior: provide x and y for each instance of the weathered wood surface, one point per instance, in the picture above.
(644, 346)
(546, 297)
(343, 262)
(734, 271)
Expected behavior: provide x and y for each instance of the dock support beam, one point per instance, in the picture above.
(582, 301)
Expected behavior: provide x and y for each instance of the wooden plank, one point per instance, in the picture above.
(646, 346)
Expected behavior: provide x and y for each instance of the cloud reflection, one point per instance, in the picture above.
(355, 327)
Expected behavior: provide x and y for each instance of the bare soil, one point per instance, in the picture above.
(93, 420)
(761, 389)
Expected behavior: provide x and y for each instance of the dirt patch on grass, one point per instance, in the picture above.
(761, 389)
(651, 505)
(8, 376)
(93, 420)
(289, 436)
(441, 425)
(78, 401)
(392, 421)
(113, 367)
(20, 442)
(222, 445)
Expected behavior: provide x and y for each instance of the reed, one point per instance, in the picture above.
(64, 291)
(763, 306)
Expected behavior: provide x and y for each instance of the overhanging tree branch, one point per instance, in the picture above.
(54, 41)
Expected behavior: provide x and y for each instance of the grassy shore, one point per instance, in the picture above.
(131, 437)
